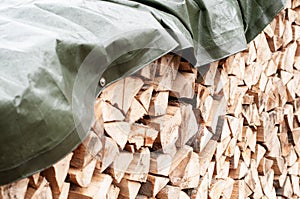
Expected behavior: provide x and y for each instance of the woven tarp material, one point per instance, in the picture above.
(44, 70)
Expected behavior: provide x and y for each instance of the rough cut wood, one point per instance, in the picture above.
(128, 189)
(57, 174)
(139, 166)
(86, 151)
(34, 179)
(43, 190)
(14, 190)
(169, 192)
(153, 185)
(120, 165)
(110, 153)
(160, 163)
(64, 192)
(113, 192)
(97, 189)
(82, 177)
(162, 133)
(118, 131)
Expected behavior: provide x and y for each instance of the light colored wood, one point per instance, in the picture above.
(221, 188)
(142, 135)
(128, 189)
(291, 158)
(136, 111)
(262, 48)
(153, 185)
(145, 96)
(118, 131)
(57, 173)
(107, 112)
(240, 172)
(34, 179)
(287, 60)
(139, 196)
(252, 180)
(259, 153)
(235, 65)
(183, 195)
(201, 141)
(113, 192)
(288, 32)
(183, 154)
(160, 163)
(64, 192)
(110, 152)
(267, 185)
(121, 93)
(269, 31)
(186, 174)
(159, 104)
(222, 167)
(202, 189)
(98, 188)
(205, 156)
(234, 161)
(264, 166)
(169, 192)
(238, 191)
(42, 191)
(209, 76)
(188, 127)
(82, 177)
(205, 108)
(137, 135)
(139, 166)
(251, 53)
(120, 164)
(148, 72)
(168, 127)
(86, 151)
(184, 85)
(286, 190)
(14, 190)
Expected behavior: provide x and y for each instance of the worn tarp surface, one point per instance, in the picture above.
(53, 53)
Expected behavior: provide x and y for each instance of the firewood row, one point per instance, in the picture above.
(169, 131)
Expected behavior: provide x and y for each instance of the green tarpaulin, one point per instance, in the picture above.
(53, 54)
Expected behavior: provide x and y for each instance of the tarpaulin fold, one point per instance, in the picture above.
(53, 54)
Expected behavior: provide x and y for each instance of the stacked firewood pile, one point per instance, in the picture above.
(169, 131)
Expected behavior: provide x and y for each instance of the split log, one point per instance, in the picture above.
(113, 192)
(139, 166)
(109, 154)
(82, 177)
(43, 190)
(169, 192)
(128, 189)
(122, 92)
(86, 151)
(118, 131)
(107, 112)
(186, 174)
(14, 190)
(98, 188)
(160, 163)
(120, 165)
(57, 174)
(153, 185)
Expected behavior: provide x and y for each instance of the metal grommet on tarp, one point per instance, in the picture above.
(102, 81)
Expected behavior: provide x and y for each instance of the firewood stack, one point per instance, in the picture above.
(161, 133)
